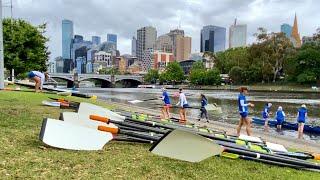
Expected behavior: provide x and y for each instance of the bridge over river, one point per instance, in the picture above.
(105, 79)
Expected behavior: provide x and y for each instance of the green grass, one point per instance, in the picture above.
(22, 155)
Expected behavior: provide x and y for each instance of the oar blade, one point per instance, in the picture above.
(185, 146)
(64, 135)
(87, 109)
(53, 104)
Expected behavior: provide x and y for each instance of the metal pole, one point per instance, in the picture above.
(1, 51)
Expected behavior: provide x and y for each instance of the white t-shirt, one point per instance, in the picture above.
(41, 76)
(182, 99)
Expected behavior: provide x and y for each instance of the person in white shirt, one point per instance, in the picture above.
(39, 78)
(183, 103)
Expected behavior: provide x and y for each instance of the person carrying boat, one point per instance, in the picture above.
(183, 104)
(203, 110)
(166, 104)
(280, 117)
(243, 111)
(265, 115)
(301, 118)
(39, 79)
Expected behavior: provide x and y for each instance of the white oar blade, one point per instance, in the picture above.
(276, 147)
(53, 104)
(87, 109)
(135, 101)
(64, 135)
(80, 120)
(250, 138)
(186, 146)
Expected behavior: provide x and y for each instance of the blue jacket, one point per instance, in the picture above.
(242, 103)
(302, 114)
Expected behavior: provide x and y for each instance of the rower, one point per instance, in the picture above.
(243, 111)
(39, 79)
(183, 103)
(265, 115)
(301, 118)
(280, 117)
(166, 104)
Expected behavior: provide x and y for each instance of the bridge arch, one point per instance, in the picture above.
(128, 82)
(69, 81)
(105, 83)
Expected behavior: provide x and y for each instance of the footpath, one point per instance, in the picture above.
(289, 142)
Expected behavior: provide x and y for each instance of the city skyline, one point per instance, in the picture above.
(191, 15)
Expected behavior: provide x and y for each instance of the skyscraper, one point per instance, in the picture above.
(96, 40)
(112, 38)
(134, 46)
(213, 38)
(237, 35)
(295, 36)
(164, 43)
(183, 48)
(174, 34)
(146, 38)
(67, 35)
(286, 29)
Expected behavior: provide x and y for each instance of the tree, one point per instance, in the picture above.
(24, 46)
(236, 74)
(272, 49)
(152, 76)
(172, 73)
(232, 57)
(212, 77)
(305, 66)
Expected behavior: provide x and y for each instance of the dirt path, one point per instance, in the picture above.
(288, 142)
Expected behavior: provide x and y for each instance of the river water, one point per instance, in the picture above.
(227, 100)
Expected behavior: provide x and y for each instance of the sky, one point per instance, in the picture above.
(124, 17)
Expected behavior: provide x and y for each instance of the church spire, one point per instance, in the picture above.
(295, 33)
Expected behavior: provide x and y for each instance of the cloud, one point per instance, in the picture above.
(124, 17)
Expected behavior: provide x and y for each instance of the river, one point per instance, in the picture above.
(227, 100)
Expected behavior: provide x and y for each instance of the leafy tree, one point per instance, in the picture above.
(152, 76)
(172, 73)
(24, 46)
(232, 57)
(236, 74)
(272, 49)
(197, 73)
(212, 77)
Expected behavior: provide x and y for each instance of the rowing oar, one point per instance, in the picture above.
(165, 146)
(139, 101)
(66, 104)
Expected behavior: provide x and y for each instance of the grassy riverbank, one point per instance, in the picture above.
(22, 155)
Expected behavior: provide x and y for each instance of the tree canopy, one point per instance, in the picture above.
(24, 46)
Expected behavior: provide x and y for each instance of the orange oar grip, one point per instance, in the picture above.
(113, 130)
(99, 118)
(316, 156)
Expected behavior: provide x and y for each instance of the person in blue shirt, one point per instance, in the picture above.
(203, 110)
(243, 110)
(280, 117)
(265, 115)
(301, 118)
(166, 104)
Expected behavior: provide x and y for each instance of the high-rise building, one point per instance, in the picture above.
(146, 38)
(286, 29)
(96, 40)
(134, 46)
(77, 39)
(67, 35)
(161, 59)
(59, 64)
(237, 35)
(295, 36)
(213, 38)
(103, 59)
(147, 60)
(164, 43)
(183, 48)
(112, 38)
(174, 34)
